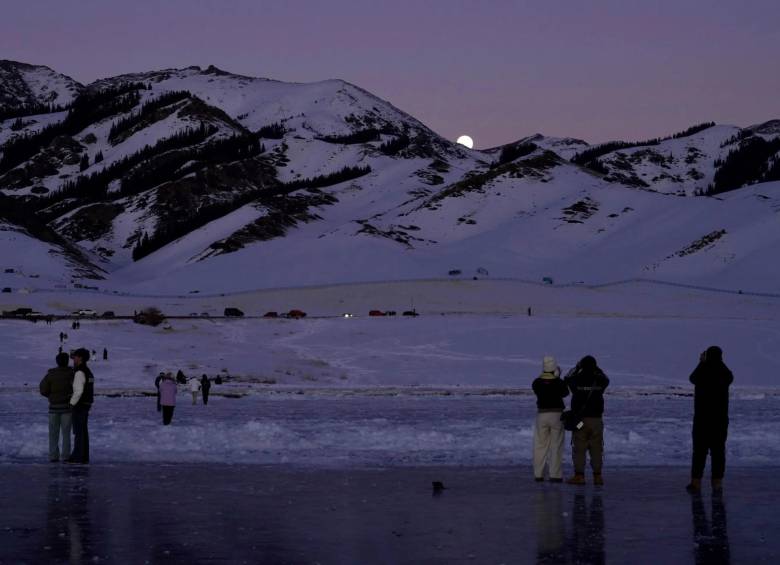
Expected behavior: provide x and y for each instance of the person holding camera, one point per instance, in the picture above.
(550, 391)
(711, 380)
(587, 383)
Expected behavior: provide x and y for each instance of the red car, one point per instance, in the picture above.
(376, 313)
(296, 314)
(271, 315)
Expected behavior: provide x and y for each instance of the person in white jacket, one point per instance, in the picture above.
(194, 389)
(550, 391)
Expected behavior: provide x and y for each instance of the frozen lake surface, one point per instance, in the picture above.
(187, 513)
(367, 428)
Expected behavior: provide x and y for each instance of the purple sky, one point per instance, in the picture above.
(495, 69)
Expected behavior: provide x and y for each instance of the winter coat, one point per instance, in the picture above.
(550, 391)
(194, 385)
(57, 386)
(83, 388)
(168, 392)
(711, 380)
(205, 385)
(587, 389)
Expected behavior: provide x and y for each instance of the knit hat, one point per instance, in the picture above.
(549, 365)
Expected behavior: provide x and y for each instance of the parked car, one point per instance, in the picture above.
(390, 313)
(108, 314)
(271, 315)
(411, 313)
(205, 315)
(18, 313)
(296, 314)
(7, 289)
(454, 272)
(375, 313)
(348, 315)
(233, 313)
(86, 313)
(9, 271)
(193, 314)
(547, 280)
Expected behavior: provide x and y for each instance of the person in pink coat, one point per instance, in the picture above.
(167, 397)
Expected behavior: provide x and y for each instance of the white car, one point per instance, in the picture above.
(90, 313)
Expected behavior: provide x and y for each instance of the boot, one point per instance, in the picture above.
(577, 479)
(598, 480)
(556, 480)
(539, 479)
(717, 485)
(694, 486)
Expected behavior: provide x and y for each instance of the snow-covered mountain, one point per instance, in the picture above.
(30, 85)
(173, 180)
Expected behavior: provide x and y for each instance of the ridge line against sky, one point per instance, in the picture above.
(497, 70)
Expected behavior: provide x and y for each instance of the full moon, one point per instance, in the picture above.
(466, 141)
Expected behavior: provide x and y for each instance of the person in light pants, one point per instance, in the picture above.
(57, 386)
(549, 434)
(194, 389)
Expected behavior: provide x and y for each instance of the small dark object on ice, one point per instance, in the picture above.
(438, 486)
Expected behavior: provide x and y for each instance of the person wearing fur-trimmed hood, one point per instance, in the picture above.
(549, 434)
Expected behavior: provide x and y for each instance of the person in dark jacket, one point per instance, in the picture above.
(157, 380)
(550, 391)
(81, 402)
(57, 386)
(711, 379)
(105, 354)
(205, 387)
(587, 383)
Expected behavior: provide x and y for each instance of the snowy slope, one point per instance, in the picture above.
(681, 166)
(34, 263)
(413, 204)
(23, 84)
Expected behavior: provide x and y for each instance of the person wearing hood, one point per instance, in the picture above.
(57, 386)
(168, 397)
(587, 383)
(711, 379)
(550, 391)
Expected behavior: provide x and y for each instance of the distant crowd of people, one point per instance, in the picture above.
(167, 388)
(587, 382)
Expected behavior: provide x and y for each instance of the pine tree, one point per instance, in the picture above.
(84, 163)
(98, 157)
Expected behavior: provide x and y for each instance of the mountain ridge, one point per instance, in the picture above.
(162, 176)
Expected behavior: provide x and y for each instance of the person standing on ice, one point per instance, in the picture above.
(587, 383)
(194, 389)
(168, 397)
(157, 380)
(81, 402)
(105, 354)
(550, 391)
(711, 379)
(57, 386)
(205, 386)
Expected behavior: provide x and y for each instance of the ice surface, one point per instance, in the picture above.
(236, 514)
